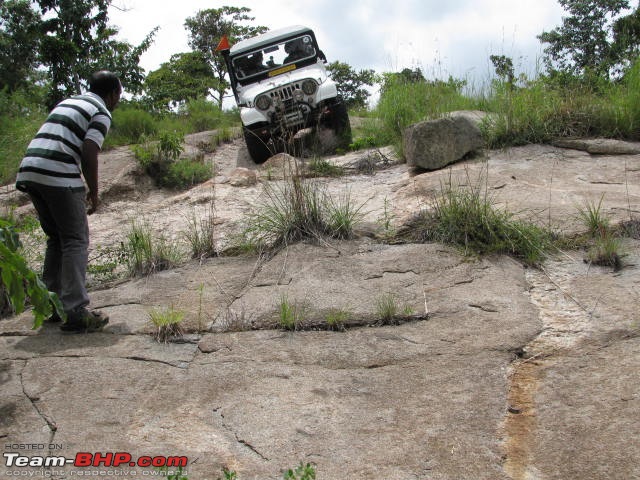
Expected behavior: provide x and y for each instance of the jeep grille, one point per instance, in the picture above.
(284, 93)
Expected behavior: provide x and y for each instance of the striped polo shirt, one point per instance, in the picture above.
(54, 156)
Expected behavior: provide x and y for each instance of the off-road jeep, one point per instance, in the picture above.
(281, 86)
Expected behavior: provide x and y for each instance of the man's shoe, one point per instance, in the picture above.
(85, 322)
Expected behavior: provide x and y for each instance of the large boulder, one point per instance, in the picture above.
(434, 144)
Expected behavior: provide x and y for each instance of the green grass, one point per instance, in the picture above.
(467, 217)
(593, 218)
(290, 314)
(146, 252)
(336, 319)
(167, 323)
(299, 209)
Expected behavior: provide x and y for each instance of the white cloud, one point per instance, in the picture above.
(452, 37)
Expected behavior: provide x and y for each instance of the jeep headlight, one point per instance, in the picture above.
(309, 87)
(298, 96)
(263, 102)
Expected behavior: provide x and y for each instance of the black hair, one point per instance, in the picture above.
(104, 82)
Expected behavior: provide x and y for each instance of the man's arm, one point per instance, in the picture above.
(90, 172)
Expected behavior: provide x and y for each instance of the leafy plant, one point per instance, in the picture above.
(167, 323)
(228, 474)
(186, 173)
(301, 472)
(21, 283)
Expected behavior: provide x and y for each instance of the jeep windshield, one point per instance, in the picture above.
(274, 59)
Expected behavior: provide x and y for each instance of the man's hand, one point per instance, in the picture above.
(90, 172)
(92, 199)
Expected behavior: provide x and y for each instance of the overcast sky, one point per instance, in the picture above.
(441, 37)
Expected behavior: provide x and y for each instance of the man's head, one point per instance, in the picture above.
(107, 85)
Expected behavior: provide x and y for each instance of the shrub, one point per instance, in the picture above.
(203, 115)
(186, 173)
(131, 125)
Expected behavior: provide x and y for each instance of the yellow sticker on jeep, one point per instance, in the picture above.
(282, 70)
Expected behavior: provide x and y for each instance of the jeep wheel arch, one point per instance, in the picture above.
(258, 148)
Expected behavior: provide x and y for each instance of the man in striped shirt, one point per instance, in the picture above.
(64, 150)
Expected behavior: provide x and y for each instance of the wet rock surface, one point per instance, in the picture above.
(494, 371)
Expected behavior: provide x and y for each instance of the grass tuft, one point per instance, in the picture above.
(167, 323)
(468, 218)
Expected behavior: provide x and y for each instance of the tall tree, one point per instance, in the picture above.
(185, 76)
(352, 84)
(206, 29)
(69, 39)
(583, 44)
(19, 42)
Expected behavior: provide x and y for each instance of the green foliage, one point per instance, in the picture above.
(467, 217)
(131, 125)
(167, 323)
(351, 84)
(206, 29)
(583, 44)
(69, 41)
(20, 283)
(301, 472)
(228, 474)
(404, 103)
(186, 173)
(20, 119)
(19, 42)
(186, 76)
(204, 115)
(607, 251)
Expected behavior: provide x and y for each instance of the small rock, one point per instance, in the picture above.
(243, 177)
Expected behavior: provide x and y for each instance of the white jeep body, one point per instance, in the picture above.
(281, 86)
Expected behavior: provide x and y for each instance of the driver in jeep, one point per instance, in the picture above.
(295, 50)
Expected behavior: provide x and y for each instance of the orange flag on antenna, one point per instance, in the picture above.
(224, 44)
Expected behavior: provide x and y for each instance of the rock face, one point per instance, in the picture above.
(434, 144)
(491, 371)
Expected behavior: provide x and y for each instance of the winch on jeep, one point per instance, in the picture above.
(281, 86)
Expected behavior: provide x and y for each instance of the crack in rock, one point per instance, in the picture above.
(241, 441)
(564, 322)
(51, 424)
